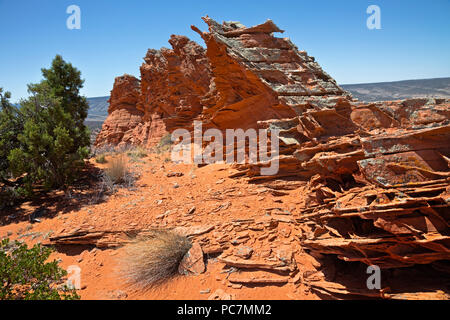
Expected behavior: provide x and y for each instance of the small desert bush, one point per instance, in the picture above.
(151, 260)
(124, 148)
(25, 274)
(136, 154)
(164, 144)
(107, 185)
(10, 195)
(100, 159)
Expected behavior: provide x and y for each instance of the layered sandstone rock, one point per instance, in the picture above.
(242, 70)
(259, 77)
(378, 180)
(372, 179)
(123, 114)
(173, 82)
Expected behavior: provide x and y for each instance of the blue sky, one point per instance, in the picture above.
(414, 41)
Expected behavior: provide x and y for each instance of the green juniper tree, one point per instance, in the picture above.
(11, 124)
(54, 140)
(10, 127)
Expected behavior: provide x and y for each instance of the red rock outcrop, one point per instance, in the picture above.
(378, 180)
(396, 151)
(173, 82)
(373, 179)
(241, 70)
(123, 114)
(259, 77)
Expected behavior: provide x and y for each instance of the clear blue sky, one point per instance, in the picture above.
(414, 41)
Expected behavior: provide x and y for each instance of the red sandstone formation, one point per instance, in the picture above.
(173, 82)
(259, 77)
(123, 115)
(373, 179)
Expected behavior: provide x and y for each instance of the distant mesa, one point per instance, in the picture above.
(398, 90)
(98, 108)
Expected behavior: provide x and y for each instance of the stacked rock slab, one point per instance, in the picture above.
(258, 77)
(381, 195)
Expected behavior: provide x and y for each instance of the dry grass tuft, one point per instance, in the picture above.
(117, 174)
(117, 170)
(154, 259)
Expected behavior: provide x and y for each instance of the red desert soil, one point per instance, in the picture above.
(205, 188)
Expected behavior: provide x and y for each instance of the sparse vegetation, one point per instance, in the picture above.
(106, 185)
(137, 153)
(11, 124)
(117, 170)
(105, 149)
(25, 274)
(154, 259)
(101, 159)
(164, 144)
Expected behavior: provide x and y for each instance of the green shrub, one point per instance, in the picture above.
(164, 144)
(11, 125)
(25, 274)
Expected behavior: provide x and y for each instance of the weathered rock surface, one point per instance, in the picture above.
(123, 115)
(373, 179)
(173, 82)
(255, 71)
(378, 194)
(192, 262)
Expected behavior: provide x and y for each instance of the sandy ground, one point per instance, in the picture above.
(205, 188)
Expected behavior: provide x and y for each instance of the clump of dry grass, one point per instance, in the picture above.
(153, 259)
(117, 170)
(116, 174)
